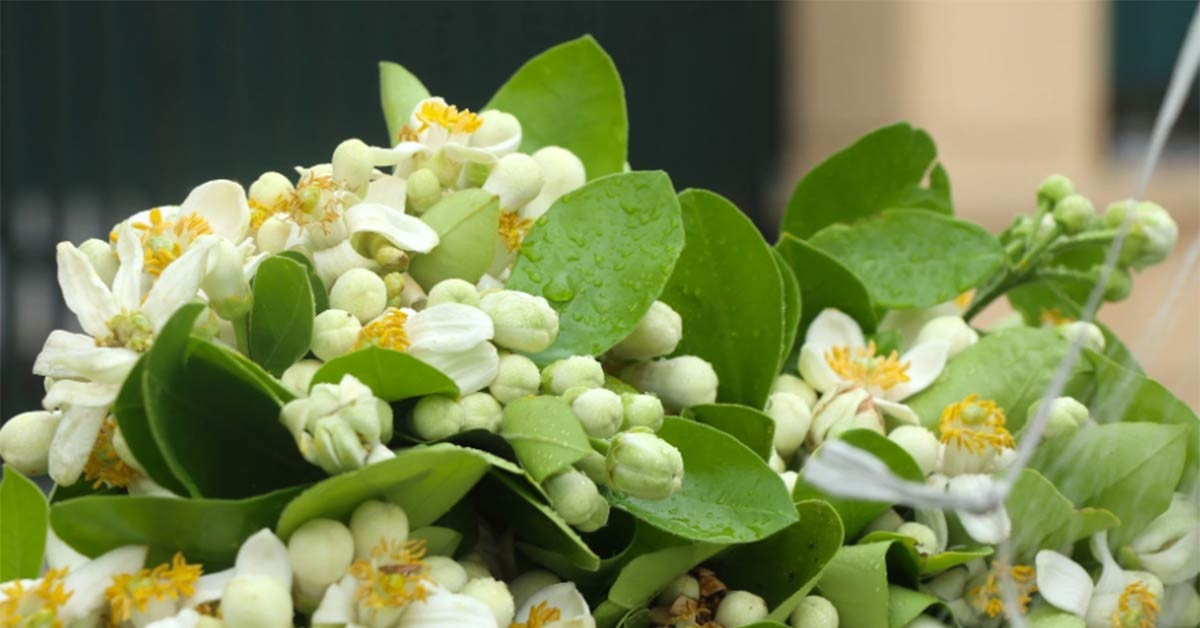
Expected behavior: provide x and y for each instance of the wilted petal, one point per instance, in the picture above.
(264, 554)
(73, 441)
(925, 363)
(84, 292)
(178, 284)
(222, 204)
(88, 583)
(448, 327)
(404, 232)
(1063, 583)
(472, 370)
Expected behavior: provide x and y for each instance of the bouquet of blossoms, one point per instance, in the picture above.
(485, 374)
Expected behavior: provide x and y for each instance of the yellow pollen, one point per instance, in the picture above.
(513, 229)
(963, 301)
(259, 214)
(1146, 611)
(975, 425)
(134, 591)
(387, 331)
(1054, 317)
(163, 241)
(448, 117)
(395, 575)
(104, 466)
(48, 593)
(314, 201)
(862, 366)
(987, 597)
(540, 615)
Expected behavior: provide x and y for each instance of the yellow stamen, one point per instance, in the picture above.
(42, 600)
(1054, 317)
(448, 117)
(314, 201)
(387, 331)
(975, 425)
(987, 597)
(104, 466)
(540, 615)
(513, 229)
(134, 591)
(963, 301)
(163, 241)
(1145, 613)
(862, 366)
(395, 575)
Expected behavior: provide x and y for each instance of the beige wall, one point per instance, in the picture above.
(1010, 91)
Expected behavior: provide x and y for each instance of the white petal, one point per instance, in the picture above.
(69, 392)
(563, 596)
(815, 370)
(73, 440)
(898, 411)
(264, 554)
(127, 284)
(88, 583)
(925, 363)
(1063, 582)
(1112, 577)
(186, 618)
(988, 526)
(448, 327)
(460, 152)
(388, 190)
(67, 355)
(210, 587)
(379, 453)
(145, 487)
(405, 232)
(178, 284)
(337, 605)
(221, 203)
(59, 554)
(334, 261)
(472, 370)
(833, 328)
(442, 609)
(84, 291)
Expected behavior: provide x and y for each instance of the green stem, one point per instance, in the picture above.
(1019, 273)
(241, 331)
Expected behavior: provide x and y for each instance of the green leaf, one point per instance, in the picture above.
(601, 256)
(1013, 367)
(391, 375)
(881, 170)
(1043, 519)
(742, 343)
(792, 307)
(729, 494)
(1129, 469)
(23, 522)
(912, 258)
(856, 582)
(205, 530)
(399, 92)
(130, 411)
(914, 562)
(657, 563)
(751, 427)
(281, 320)
(855, 514)
(320, 295)
(467, 223)
(825, 283)
(514, 499)
(554, 91)
(546, 436)
(905, 605)
(425, 480)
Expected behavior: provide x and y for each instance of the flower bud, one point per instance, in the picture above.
(338, 425)
(1054, 188)
(475, 567)
(1074, 213)
(525, 585)
(321, 551)
(562, 172)
(814, 611)
(225, 284)
(788, 383)
(256, 601)
(495, 595)
(353, 163)
(592, 465)
(374, 522)
(516, 179)
(643, 465)
(102, 257)
(741, 608)
(270, 190)
(481, 411)
(523, 322)
(1152, 232)
(776, 462)
(298, 377)
(516, 376)
(334, 333)
(447, 573)
(841, 409)
(1087, 334)
(789, 480)
(335, 447)
(679, 382)
(1066, 414)
(272, 236)
(1118, 286)
(888, 521)
(1170, 546)
(952, 330)
(25, 441)
(498, 131)
(573, 496)
(453, 291)
(792, 421)
(641, 411)
(927, 541)
(600, 411)
(686, 585)
(579, 370)
(436, 417)
(424, 191)
(657, 334)
(919, 443)
(360, 292)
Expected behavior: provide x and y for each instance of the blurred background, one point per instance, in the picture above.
(106, 109)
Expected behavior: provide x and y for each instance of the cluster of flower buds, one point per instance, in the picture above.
(699, 598)
(340, 427)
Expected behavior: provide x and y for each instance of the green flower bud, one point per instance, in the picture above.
(1152, 232)
(481, 411)
(225, 283)
(792, 421)
(102, 257)
(447, 573)
(643, 465)
(598, 519)
(846, 407)
(334, 333)
(388, 256)
(641, 411)
(814, 611)
(523, 322)
(657, 334)
(335, 447)
(256, 601)
(445, 168)
(453, 291)
(572, 495)
(25, 441)
(679, 382)
(424, 191)
(1066, 414)
(360, 292)
(952, 330)
(920, 443)
(525, 585)
(685, 585)
(516, 179)
(1054, 188)
(495, 595)
(352, 165)
(374, 522)
(1087, 334)
(272, 235)
(298, 377)
(437, 417)
(741, 608)
(592, 465)
(1119, 285)
(600, 411)
(1074, 213)
(580, 370)
(338, 425)
(562, 171)
(926, 540)
(788, 383)
(516, 376)
(321, 551)
(888, 521)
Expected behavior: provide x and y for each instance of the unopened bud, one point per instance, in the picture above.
(446, 573)
(741, 608)
(562, 172)
(1152, 233)
(919, 443)
(516, 376)
(887, 521)
(641, 411)
(374, 522)
(643, 465)
(1065, 416)
(453, 291)
(841, 409)
(523, 322)
(814, 611)
(102, 257)
(788, 383)
(224, 282)
(792, 421)
(657, 334)
(360, 292)
(25, 441)
(272, 236)
(1118, 286)
(516, 179)
(600, 411)
(592, 465)
(298, 377)
(579, 370)
(352, 165)
(270, 191)
(1074, 213)
(572, 495)
(256, 601)
(495, 595)
(481, 411)
(679, 382)
(952, 330)
(424, 191)
(337, 425)
(926, 540)
(500, 132)
(334, 333)
(686, 585)
(437, 417)
(321, 551)
(1088, 335)
(1055, 187)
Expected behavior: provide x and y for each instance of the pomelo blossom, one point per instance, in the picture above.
(1119, 599)
(437, 129)
(67, 595)
(556, 606)
(451, 337)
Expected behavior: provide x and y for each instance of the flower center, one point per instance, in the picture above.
(860, 365)
(1136, 608)
(434, 113)
(963, 301)
(540, 615)
(395, 575)
(975, 425)
(1054, 317)
(513, 229)
(316, 201)
(163, 241)
(131, 330)
(989, 599)
(387, 331)
(37, 606)
(104, 466)
(130, 591)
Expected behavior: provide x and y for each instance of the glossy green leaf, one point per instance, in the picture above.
(856, 582)
(601, 256)
(825, 283)
(882, 170)
(391, 375)
(555, 90)
(855, 514)
(792, 307)
(1043, 519)
(241, 367)
(742, 343)
(751, 427)
(281, 319)
(925, 565)
(1129, 469)
(546, 436)
(399, 93)
(729, 494)
(905, 605)
(656, 565)
(130, 411)
(514, 500)
(320, 295)
(912, 258)
(615, 544)
(205, 530)
(467, 223)
(23, 523)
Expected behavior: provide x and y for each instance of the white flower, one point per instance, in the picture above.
(451, 337)
(338, 426)
(556, 606)
(1120, 599)
(908, 323)
(974, 438)
(835, 352)
(1170, 546)
(217, 208)
(66, 595)
(435, 127)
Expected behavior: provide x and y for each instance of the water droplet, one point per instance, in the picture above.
(559, 289)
